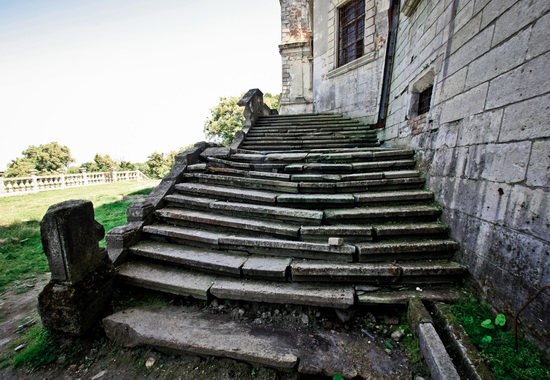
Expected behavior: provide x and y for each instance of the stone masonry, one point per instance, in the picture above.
(485, 143)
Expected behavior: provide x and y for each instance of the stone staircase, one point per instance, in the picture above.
(308, 210)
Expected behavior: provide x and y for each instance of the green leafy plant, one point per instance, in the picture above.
(338, 377)
(497, 344)
(500, 321)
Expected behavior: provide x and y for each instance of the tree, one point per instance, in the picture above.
(227, 118)
(45, 158)
(159, 164)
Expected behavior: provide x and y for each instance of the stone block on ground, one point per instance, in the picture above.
(311, 353)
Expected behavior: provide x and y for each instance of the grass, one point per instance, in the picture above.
(21, 254)
(500, 355)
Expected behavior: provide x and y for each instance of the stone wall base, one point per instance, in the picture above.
(75, 308)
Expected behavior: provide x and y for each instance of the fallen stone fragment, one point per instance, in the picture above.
(311, 352)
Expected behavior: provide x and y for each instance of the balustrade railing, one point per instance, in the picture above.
(34, 183)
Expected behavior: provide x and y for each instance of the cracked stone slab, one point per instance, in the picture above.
(311, 352)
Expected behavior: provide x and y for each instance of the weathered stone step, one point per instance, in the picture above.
(366, 295)
(342, 168)
(277, 137)
(228, 193)
(309, 140)
(315, 200)
(290, 248)
(396, 197)
(200, 334)
(393, 231)
(285, 213)
(215, 169)
(214, 219)
(306, 131)
(247, 209)
(336, 296)
(350, 156)
(245, 183)
(350, 233)
(253, 244)
(306, 121)
(303, 145)
(365, 214)
(197, 285)
(390, 184)
(165, 279)
(195, 235)
(406, 250)
(310, 116)
(373, 273)
(309, 352)
(193, 258)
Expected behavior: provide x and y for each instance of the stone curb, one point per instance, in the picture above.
(460, 345)
(438, 360)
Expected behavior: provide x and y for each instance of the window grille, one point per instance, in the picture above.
(351, 31)
(424, 100)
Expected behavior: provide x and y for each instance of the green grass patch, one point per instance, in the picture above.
(21, 254)
(496, 343)
(41, 349)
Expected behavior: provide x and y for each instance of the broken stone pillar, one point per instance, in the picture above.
(80, 290)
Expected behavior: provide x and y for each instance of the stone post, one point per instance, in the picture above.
(79, 292)
(2, 186)
(113, 174)
(34, 180)
(84, 176)
(62, 183)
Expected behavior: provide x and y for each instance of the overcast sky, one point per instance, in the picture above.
(127, 77)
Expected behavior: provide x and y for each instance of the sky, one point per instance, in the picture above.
(127, 77)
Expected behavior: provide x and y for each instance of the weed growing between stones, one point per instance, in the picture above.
(497, 344)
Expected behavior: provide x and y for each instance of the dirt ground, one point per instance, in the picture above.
(95, 357)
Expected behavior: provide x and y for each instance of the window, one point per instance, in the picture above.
(351, 31)
(424, 100)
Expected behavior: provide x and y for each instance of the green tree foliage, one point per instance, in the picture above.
(227, 118)
(20, 167)
(105, 163)
(45, 158)
(159, 164)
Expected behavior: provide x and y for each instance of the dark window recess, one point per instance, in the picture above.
(424, 100)
(351, 32)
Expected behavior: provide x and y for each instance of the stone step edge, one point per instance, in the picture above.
(202, 287)
(288, 269)
(434, 351)
(284, 199)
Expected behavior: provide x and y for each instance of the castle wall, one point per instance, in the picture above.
(485, 143)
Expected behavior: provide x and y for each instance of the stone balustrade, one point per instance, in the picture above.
(34, 183)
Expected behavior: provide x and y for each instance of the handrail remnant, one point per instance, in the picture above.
(254, 107)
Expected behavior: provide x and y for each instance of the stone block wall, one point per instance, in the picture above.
(485, 143)
(353, 89)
